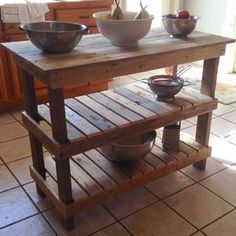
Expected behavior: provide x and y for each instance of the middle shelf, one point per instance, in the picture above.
(104, 117)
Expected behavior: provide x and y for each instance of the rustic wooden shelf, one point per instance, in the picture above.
(79, 176)
(99, 118)
(95, 178)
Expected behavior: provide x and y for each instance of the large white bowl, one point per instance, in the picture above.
(123, 33)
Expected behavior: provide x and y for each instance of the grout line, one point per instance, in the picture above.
(18, 221)
(212, 222)
(179, 214)
(31, 200)
(97, 231)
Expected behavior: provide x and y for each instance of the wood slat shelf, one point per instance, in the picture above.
(95, 178)
(78, 175)
(99, 118)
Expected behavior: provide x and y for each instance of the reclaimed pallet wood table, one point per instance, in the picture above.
(76, 175)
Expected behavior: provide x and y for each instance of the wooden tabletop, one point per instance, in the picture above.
(95, 58)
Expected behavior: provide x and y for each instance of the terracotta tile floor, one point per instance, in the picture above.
(188, 202)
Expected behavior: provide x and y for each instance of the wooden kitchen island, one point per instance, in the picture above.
(76, 175)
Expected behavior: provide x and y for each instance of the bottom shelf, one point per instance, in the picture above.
(95, 178)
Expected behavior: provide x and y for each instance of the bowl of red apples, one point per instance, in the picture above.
(181, 24)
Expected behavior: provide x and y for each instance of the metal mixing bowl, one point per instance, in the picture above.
(165, 87)
(54, 36)
(132, 149)
(179, 27)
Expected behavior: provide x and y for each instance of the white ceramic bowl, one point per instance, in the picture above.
(123, 33)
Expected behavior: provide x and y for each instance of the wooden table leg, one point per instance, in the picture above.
(208, 86)
(31, 109)
(57, 112)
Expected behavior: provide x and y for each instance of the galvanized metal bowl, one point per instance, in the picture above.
(54, 36)
(132, 149)
(123, 33)
(179, 28)
(165, 87)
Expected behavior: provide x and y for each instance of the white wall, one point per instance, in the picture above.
(217, 17)
(213, 14)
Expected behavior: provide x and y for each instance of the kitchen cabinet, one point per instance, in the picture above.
(73, 11)
(76, 175)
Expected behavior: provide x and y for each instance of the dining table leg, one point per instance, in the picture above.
(31, 109)
(59, 131)
(208, 86)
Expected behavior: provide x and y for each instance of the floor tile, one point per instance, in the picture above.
(86, 222)
(198, 205)
(193, 120)
(231, 138)
(212, 167)
(223, 109)
(141, 75)
(7, 180)
(230, 117)
(225, 226)
(114, 230)
(6, 118)
(191, 130)
(12, 131)
(223, 184)
(186, 124)
(42, 203)
(221, 127)
(20, 168)
(157, 219)
(15, 205)
(35, 225)
(169, 184)
(15, 149)
(198, 234)
(127, 203)
(222, 150)
(17, 114)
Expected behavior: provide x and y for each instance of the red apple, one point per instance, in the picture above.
(182, 14)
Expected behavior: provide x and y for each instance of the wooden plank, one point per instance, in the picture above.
(80, 123)
(89, 115)
(167, 159)
(186, 138)
(81, 204)
(187, 149)
(77, 191)
(144, 90)
(84, 179)
(103, 111)
(208, 85)
(116, 107)
(107, 166)
(154, 161)
(197, 94)
(72, 132)
(129, 104)
(178, 155)
(189, 98)
(109, 61)
(178, 102)
(144, 166)
(152, 106)
(94, 171)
